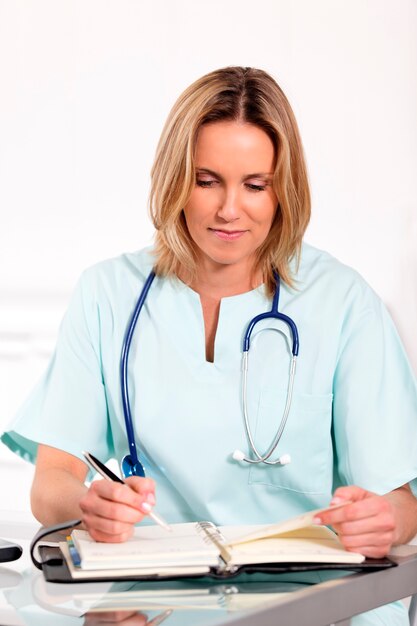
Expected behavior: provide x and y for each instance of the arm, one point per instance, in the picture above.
(108, 510)
(404, 504)
(372, 524)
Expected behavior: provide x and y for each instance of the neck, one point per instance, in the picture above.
(225, 280)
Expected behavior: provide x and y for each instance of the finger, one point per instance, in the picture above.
(93, 504)
(355, 542)
(103, 538)
(140, 485)
(111, 509)
(373, 552)
(99, 535)
(108, 520)
(106, 525)
(368, 507)
(145, 490)
(109, 517)
(368, 545)
(116, 492)
(377, 523)
(101, 492)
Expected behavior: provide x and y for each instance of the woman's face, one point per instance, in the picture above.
(232, 206)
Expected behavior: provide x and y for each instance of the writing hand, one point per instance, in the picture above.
(110, 510)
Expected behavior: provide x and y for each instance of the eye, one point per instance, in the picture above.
(205, 183)
(253, 187)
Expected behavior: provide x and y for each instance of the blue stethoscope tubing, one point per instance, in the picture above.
(131, 466)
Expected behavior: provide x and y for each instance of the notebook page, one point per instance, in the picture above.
(251, 533)
(106, 574)
(149, 547)
(313, 544)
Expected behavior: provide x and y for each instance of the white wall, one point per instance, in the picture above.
(85, 86)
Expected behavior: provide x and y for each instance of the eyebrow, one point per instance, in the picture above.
(205, 170)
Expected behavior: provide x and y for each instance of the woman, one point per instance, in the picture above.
(230, 202)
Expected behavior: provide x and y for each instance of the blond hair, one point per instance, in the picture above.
(246, 95)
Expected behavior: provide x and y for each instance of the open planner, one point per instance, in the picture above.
(201, 549)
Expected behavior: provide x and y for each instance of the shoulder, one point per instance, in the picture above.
(108, 289)
(334, 286)
(122, 273)
(315, 262)
(130, 265)
(318, 266)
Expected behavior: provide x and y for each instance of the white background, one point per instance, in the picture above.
(85, 86)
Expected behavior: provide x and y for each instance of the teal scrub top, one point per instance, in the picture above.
(353, 418)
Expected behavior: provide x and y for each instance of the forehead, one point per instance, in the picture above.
(234, 143)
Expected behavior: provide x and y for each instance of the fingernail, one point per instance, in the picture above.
(336, 500)
(317, 520)
(151, 499)
(146, 507)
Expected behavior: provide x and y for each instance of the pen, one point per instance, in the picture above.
(109, 475)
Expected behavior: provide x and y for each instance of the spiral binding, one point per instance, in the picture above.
(209, 530)
(211, 534)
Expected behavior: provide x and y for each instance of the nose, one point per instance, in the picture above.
(229, 207)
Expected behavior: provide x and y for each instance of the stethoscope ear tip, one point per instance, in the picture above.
(285, 459)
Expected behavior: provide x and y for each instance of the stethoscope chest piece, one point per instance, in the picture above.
(130, 468)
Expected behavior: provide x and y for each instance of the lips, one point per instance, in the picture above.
(228, 235)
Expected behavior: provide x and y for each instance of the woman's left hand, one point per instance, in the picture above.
(368, 525)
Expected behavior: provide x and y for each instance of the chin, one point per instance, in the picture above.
(227, 259)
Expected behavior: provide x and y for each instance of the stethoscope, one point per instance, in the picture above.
(131, 466)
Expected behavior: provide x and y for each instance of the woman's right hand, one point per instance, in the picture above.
(110, 510)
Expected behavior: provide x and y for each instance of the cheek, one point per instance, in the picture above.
(272, 209)
(197, 208)
(193, 220)
(190, 218)
(264, 215)
(262, 206)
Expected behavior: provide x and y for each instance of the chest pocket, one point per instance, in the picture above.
(306, 437)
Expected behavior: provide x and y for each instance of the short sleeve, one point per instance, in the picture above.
(68, 409)
(375, 405)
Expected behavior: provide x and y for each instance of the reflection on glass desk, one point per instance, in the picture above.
(197, 602)
(300, 599)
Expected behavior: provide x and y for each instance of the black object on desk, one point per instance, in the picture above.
(9, 551)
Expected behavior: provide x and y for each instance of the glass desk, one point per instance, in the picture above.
(306, 599)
